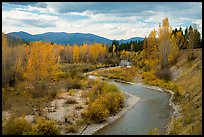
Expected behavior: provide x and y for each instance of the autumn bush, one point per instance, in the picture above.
(71, 128)
(150, 78)
(113, 101)
(78, 107)
(20, 126)
(61, 75)
(71, 91)
(40, 90)
(73, 83)
(126, 74)
(164, 74)
(105, 99)
(101, 88)
(44, 127)
(52, 93)
(16, 126)
(71, 101)
(96, 112)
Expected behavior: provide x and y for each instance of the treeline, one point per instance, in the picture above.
(40, 61)
(183, 37)
(95, 53)
(132, 46)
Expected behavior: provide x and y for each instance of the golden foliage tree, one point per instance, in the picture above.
(84, 51)
(75, 54)
(150, 55)
(168, 49)
(174, 50)
(42, 61)
(164, 42)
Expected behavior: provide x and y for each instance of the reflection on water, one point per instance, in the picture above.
(153, 111)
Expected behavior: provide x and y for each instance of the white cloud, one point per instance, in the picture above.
(22, 15)
(113, 24)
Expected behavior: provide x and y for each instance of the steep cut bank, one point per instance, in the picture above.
(188, 76)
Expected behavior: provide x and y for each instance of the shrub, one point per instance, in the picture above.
(53, 94)
(148, 76)
(71, 91)
(40, 90)
(44, 127)
(61, 74)
(113, 101)
(16, 126)
(71, 128)
(84, 94)
(154, 131)
(78, 107)
(84, 84)
(105, 99)
(101, 88)
(164, 74)
(71, 101)
(96, 112)
(73, 83)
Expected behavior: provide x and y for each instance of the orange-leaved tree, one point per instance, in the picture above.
(42, 61)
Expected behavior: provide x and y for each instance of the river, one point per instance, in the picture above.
(153, 111)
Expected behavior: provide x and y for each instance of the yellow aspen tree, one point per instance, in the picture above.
(153, 50)
(102, 53)
(150, 58)
(174, 50)
(42, 61)
(83, 51)
(168, 49)
(164, 42)
(69, 54)
(94, 51)
(114, 48)
(75, 54)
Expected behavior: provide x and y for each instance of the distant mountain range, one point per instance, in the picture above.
(67, 38)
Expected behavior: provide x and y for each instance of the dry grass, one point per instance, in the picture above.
(191, 101)
(124, 73)
(71, 128)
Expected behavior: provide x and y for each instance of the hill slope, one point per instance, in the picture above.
(189, 78)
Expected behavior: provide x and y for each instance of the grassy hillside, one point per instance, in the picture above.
(188, 76)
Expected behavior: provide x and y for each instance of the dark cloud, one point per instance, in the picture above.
(102, 7)
(124, 9)
(35, 4)
(22, 3)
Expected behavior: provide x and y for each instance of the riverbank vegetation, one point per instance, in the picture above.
(36, 73)
(178, 70)
(105, 100)
(125, 73)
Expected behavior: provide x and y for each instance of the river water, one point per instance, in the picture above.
(153, 111)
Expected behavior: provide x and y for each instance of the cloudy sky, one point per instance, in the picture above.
(113, 20)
